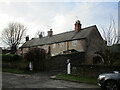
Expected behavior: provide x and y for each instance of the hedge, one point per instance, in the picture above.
(10, 58)
(13, 61)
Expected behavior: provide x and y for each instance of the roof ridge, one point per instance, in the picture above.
(69, 35)
(68, 31)
(90, 26)
(62, 33)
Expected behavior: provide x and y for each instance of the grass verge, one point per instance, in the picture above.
(13, 70)
(76, 78)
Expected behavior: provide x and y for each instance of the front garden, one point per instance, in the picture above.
(21, 64)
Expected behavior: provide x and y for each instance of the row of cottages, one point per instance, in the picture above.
(86, 40)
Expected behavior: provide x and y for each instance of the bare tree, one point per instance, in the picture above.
(13, 35)
(110, 34)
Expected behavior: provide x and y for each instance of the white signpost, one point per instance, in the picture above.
(68, 67)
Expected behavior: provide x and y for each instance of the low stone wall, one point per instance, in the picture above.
(92, 70)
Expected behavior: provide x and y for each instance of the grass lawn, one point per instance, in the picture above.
(76, 78)
(12, 70)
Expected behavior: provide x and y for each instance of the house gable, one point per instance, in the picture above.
(95, 41)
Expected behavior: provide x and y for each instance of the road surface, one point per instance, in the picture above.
(39, 80)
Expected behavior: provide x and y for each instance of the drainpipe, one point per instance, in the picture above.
(67, 47)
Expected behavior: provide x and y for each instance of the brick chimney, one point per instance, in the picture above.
(77, 26)
(50, 33)
(40, 36)
(27, 38)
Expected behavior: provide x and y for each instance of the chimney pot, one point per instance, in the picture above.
(40, 36)
(27, 38)
(77, 26)
(50, 33)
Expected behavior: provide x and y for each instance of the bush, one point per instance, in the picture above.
(13, 61)
(37, 57)
(10, 58)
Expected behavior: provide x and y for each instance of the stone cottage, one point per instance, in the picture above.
(87, 40)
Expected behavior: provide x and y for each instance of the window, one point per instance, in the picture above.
(61, 44)
(54, 45)
(74, 43)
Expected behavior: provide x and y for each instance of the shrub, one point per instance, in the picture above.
(37, 57)
(13, 61)
(10, 58)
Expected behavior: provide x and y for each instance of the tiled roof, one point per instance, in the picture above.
(66, 36)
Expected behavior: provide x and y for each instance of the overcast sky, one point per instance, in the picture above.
(60, 16)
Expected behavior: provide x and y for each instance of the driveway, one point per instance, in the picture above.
(39, 80)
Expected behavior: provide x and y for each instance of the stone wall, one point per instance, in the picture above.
(56, 63)
(59, 62)
(92, 70)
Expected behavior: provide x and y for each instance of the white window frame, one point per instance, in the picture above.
(74, 43)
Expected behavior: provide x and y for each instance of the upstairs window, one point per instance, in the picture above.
(54, 45)
(62, 44)
(74, 43)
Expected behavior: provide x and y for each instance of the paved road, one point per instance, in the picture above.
(39, 80)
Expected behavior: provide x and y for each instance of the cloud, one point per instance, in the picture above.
(60, 16)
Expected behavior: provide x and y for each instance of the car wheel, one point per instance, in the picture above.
(111, 85)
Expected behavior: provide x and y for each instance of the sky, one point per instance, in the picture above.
(60, 16)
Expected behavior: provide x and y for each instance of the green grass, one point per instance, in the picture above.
(12, 70)
(77, 79)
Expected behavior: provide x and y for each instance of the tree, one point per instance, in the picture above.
(107, 55)
(110, 34)
(111, 37)
(37, 56)
(13, 35)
